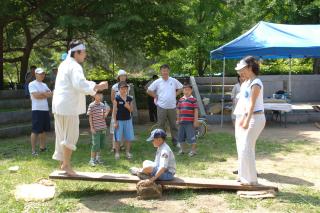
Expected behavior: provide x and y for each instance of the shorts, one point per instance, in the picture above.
(98, 140)
(187, 132)
(40, 121)
(165, 176)
(124, 131)
(67, 134)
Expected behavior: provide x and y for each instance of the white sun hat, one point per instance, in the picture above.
(242, 64)
(39, 70)
(122, 72)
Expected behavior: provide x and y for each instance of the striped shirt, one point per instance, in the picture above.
(97, 111)
(186, 107)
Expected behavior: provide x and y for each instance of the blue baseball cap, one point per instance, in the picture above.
(157, 133)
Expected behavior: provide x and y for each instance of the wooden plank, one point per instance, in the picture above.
(177, 181)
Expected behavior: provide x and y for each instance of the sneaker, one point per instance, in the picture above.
(92, 163)
(99, 161)
(134, 170)
(117, 156)
(181, 152)
(129, 155)
(34, 153)
(143, 176)
(191, 154)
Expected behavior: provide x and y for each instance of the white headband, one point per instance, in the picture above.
(76, 48)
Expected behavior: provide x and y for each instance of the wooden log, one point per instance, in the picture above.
(177, 181)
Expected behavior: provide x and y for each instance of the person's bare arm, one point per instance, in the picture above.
(196, 117)
(129, 106)
(158, 174)
(178, 92)
(101, 86)
(114, 113)
(151, 93)
(91, 124)
(178, 116)
(106, 112)
(41, 95)
(113, 95)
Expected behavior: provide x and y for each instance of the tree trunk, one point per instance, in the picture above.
(316, 66)
(24, 63)
(1, 56)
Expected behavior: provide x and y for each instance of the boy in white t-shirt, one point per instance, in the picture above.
(39, 93)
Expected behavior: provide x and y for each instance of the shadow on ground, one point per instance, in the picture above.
(285, 179)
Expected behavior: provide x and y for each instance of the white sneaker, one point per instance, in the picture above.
(134, 170)
(99, 161)
(178, 145)
(117, 156)
(191, 154)
(129, 155)
(181, 152)
(92, 163)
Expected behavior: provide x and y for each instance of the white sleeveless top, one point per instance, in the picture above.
(258, 107)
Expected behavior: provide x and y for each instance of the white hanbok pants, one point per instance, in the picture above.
(67, 134)
(246, 145)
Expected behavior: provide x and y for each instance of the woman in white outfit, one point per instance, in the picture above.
(252, 119)
(122, 76)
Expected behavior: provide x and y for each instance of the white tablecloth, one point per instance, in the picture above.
(278, 106)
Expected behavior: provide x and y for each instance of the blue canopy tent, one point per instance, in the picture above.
(271, 41)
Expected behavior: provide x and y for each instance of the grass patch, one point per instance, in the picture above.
(216, 152)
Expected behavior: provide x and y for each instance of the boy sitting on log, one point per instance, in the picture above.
(164, 165)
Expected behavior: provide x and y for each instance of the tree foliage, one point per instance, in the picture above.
(138, 35)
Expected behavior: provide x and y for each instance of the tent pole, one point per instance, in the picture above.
(222, 96)
(211, 77)
(290, 64)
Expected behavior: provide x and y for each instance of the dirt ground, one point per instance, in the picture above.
(289, 170)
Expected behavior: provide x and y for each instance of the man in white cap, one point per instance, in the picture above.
(39, 93)
(69, 102)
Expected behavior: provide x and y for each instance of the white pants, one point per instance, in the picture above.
(237, 132)
(67, 134)
(246, 145)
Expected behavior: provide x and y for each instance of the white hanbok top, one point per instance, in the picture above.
(71, 87)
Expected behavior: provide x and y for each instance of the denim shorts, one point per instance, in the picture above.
(165, 176)
(187, 133)
(124, 131)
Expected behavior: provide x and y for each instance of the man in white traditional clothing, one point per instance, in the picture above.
(69, 102)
